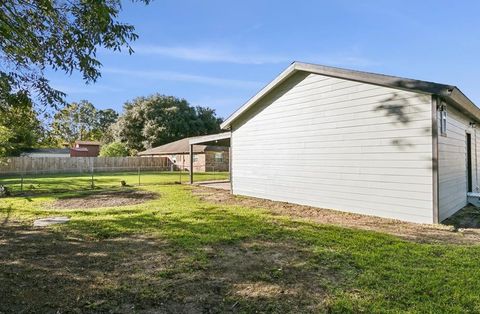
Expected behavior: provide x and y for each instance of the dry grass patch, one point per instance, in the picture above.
(469, 217)
(45, 272)
(112, 198)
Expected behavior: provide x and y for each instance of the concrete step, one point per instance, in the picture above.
(474, 198)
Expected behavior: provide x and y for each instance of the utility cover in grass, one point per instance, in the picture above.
(50, 221)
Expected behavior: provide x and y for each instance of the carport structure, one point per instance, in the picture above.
(220, 139)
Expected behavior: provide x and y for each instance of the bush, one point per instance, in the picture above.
(114, 149)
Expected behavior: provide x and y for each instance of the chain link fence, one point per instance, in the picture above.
(27, 176)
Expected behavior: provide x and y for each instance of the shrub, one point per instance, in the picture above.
(114, 149)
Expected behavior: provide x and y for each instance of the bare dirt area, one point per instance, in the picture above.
(46, 272)
(104, 199)
(455, 233)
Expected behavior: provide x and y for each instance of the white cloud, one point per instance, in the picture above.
(84, 89)
(211, 54)
(184, 77)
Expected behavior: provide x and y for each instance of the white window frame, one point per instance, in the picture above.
(218, 159)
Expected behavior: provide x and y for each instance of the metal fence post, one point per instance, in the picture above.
(22, 175)
(191, 163)
(183, 168)
(91, 170)
(138, 175)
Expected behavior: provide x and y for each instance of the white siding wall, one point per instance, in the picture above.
(452, 169)
(338, 144)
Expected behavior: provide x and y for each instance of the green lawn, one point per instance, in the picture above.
(76, 181)
(180, 254)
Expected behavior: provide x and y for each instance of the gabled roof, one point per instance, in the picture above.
(179, 147)
(448, 92)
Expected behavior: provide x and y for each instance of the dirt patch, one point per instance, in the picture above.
(251, 277)
(44, 272)
(259, 274)
(48, 272)
(104, 199)
(411, 231)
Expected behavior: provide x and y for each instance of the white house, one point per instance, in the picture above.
(357, 142)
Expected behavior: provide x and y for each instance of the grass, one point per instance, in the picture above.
(179, 254)
(41, 183)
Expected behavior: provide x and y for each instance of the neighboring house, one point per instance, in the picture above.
(81, 149)
(85, 149)
(47, 152)
(205, 158)
(357, 142)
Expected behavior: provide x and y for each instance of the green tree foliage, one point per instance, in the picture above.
(81, 121)
(105, 118)
(152, 121)
(5, 140)
(19, 127)
(56, 34)
(207, 120)
(114, 149)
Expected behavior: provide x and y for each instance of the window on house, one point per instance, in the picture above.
(443, 120)
(219, 157)
(195, 158)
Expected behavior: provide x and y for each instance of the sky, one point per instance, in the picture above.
(221, 53)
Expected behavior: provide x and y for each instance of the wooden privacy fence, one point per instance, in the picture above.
(38, 165)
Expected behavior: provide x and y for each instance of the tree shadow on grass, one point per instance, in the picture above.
(215, 262)
(8, 211)
(214, 259)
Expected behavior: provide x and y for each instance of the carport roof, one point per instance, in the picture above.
(181, 147)
(222, 139)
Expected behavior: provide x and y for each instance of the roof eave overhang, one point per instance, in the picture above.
(464, 104)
